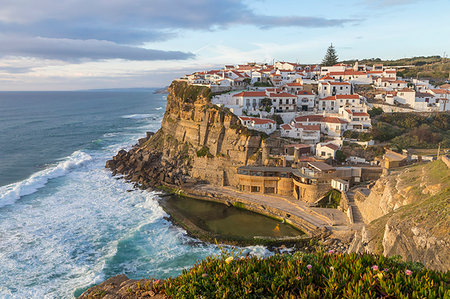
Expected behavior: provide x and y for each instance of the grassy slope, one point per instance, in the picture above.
(429, 210)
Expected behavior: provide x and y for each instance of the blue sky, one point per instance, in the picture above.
(83, 44)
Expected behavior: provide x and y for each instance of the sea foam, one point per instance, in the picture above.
(138, 116)
(12, 192)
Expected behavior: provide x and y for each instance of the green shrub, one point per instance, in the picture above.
(317, 275)
(239, 205)
(204, 151)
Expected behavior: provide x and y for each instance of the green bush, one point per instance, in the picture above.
(204, 151)
(317, 275)
(239, 205)
(375, 111)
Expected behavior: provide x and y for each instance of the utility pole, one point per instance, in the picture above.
(439, 149)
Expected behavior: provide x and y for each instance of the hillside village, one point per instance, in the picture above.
(312, 107)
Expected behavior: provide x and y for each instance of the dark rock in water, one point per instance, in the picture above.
(121, 287)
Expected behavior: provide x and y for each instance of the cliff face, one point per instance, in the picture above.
(409, 215)
(197, 141)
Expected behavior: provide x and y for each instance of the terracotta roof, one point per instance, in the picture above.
(347, 96)
(319, 118)
(326, 77)
(258, 121)
(338, 83)
(294, 84)
(440, 91)
(406, 90)
(281, 95)
(308, 127)
(286, 127)
(360, 114)
(329, 98)
(332, 146)
(257, 94)
(304, 92)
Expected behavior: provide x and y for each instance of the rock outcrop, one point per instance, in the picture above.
(197, 141)
(409, 215)
(121, 287)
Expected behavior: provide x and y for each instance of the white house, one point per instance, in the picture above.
(335, 68)
(249, 100)
(332, 126)
(307, 134)
(355, 77)
(406, 96)
(283, 102)
(340, 185)
(267, 126)
(329, 88)
(326, 150)
(391, 83)
(358, 121)
(293, 87)
(328, 104)
(305, 100)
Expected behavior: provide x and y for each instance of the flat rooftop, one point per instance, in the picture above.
(267, 168)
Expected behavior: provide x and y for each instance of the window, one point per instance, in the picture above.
(256, 189)
(341, 87)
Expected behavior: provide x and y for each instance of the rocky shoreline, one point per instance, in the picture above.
(150, 171)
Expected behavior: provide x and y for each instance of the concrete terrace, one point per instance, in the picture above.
(294, 211)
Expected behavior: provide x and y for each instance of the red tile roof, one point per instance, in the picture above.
(286, 127)
(360, 114)
(294, 84)
(256, 94)
(332, 146)
(256, 120)
(281, 95)
(338, 83)
(304, 92)
(308, 127)
(347, 96)
(319, 118)
(330, 98)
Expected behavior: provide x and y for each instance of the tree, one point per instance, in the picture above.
(331, 57)
(340, 156)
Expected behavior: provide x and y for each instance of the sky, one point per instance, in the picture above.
(90, 44)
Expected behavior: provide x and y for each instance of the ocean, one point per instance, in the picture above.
(65, 222)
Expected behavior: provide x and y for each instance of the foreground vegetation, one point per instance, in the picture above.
(317, 275)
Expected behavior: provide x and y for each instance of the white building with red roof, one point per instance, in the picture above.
(330, 88)
(326, 150)
(329, 125)
(306, 100)
(335, 68)
(267, 126)
(357, 121)
(293, 87)
(355, 77)
(307, 134)
(283, 102)
(249, 101)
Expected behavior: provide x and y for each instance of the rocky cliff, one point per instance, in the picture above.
(197, 141)
(409, 215)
